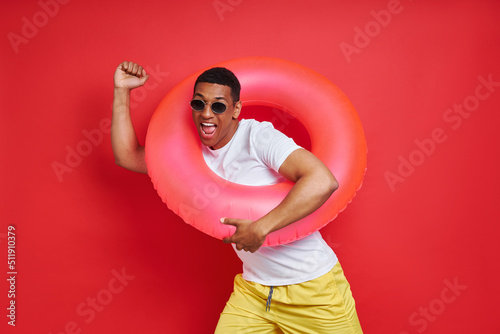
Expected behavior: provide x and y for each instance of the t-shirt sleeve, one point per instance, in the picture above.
(272, 146)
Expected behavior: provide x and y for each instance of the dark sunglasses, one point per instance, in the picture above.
(217, 107)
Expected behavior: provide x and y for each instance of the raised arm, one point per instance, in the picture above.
(314, 183)
(126, 149)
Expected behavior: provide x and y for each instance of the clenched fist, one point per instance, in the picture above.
(130, 75)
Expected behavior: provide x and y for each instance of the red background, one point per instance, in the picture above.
(402, 243)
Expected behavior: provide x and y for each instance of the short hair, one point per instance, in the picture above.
(221, 76)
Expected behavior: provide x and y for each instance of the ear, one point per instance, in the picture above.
(237, 110)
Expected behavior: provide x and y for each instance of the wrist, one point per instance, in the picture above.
(262, 227)
(122, 89)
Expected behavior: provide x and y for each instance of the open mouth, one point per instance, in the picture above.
(208, 128)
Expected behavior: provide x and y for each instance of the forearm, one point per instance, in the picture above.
(313, 185)
(305, 197)
(126, 148)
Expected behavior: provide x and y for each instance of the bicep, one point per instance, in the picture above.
(300, 163)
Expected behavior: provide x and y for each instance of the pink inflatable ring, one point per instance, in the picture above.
(200, 197)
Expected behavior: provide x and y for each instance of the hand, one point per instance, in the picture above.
(248, 236)
(130, 75)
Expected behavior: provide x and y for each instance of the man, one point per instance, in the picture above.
(294, 288)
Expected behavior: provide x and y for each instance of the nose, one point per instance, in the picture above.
(207, 111)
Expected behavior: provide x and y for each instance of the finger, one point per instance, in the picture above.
(232, 239)
(130, 68)
(137, 70)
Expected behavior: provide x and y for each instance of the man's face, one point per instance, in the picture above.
(215, 130)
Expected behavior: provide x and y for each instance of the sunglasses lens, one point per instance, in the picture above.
(218, 107)
(197, 105)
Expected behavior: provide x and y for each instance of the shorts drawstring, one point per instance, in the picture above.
(268, 304)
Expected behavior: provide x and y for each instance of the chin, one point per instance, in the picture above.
(208, 143)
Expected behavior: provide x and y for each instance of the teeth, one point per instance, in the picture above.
(207, 124)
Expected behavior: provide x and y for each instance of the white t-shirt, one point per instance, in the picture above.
(253, 157)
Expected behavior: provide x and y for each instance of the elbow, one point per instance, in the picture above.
(132, 165)
(131, 160)
(333, 185)
(325, 185)
(119, 155)
(120, 162)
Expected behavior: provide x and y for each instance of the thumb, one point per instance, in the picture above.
(229, 221)
(144, 78)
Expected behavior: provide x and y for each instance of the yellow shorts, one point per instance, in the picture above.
(322, 305)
